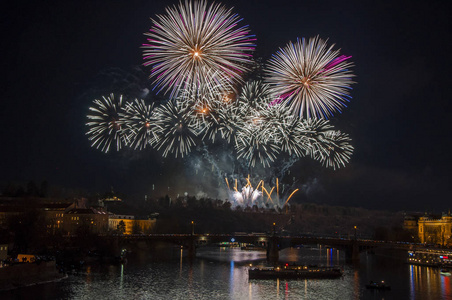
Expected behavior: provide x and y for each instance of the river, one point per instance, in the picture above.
(221, 273)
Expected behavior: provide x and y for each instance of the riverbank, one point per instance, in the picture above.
(26, 274)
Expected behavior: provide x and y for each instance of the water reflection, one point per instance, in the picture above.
(356, 285)
(121, 281)
(306, 288)
(222, 274)
(429, 283)
(286, 291)
(412, 284)
(231, 277)
(180, 264)
(446, 285)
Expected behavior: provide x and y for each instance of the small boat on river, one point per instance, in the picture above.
(252, 248)
(378, 286)
(295, 272)
(445, 272)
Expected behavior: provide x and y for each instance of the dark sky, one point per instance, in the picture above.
(58, 55)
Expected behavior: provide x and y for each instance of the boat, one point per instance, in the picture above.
(378, 286)
(445, 272)
(295, 272)
(252, 248)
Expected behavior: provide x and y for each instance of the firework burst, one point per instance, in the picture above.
(232, 122)
(255, 95)
(194, 40)
(311, 78)
(336, 150)
(105, 125)
(174, 131)
(138, 126)
(286, 129)
(255, 143)
(206, 104)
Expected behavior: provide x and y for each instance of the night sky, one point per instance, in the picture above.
(58, 56)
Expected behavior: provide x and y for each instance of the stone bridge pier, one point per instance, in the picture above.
(191, 247)
(352, 252)
(273, 249)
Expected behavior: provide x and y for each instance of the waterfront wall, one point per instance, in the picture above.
(27, 274)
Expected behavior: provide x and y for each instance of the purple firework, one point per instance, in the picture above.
(310, 78)
(192, 41)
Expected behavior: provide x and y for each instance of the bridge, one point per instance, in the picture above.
(271, 242)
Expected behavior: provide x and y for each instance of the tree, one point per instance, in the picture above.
(10, 190)
(28, 229)
(227, 205)
(136, 229)
(43, 189)
(121, 227)
(32, 189)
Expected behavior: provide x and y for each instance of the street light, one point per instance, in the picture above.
(192, 227)
(355, 232)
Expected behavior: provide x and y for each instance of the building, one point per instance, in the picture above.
(8, 212)
(95, 221)
(109, 197)
(435, 230)
(51, 210)
(410, 223)
(54, 215)
(3, 251)
(132, 225)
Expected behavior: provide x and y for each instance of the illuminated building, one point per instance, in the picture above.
(54, 215)
(410, 223)
(109, 197)
(131, 224)
(435, 230)
(93, 220)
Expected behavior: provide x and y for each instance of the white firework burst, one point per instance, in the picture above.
(311, 78)
(336, 150)
(138, 125)
(255, 143)
(174, 132)
(248, 196)
(105, 124)
(194, 40)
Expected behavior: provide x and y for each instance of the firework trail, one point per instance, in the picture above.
(194, 40)
(260, 196)
(105, 125)
(311, 78)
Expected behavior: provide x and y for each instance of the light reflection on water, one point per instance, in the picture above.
(221, 273)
